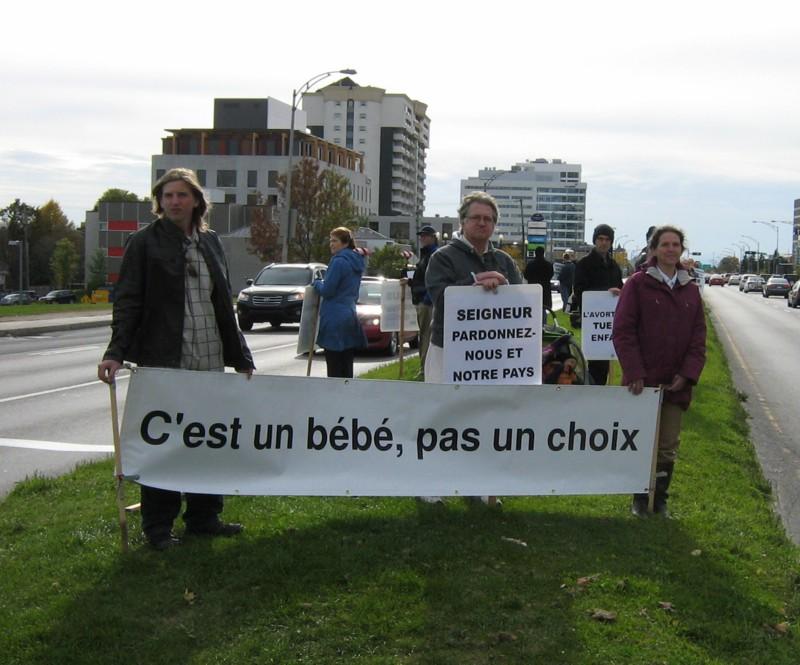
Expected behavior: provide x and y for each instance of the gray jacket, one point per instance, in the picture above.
(453, 265)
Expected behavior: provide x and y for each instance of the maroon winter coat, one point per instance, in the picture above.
(660, 332)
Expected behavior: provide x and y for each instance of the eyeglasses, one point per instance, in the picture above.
(481, 218)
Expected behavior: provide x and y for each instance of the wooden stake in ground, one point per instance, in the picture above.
(313, 343)
(402, 332)
(651, 495)
(123, 518)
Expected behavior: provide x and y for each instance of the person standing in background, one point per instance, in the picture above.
(419, 293)
(566, 278)
(540, 271)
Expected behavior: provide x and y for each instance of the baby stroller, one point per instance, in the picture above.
(562, 359)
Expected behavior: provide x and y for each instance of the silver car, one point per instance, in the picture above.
(754, 283)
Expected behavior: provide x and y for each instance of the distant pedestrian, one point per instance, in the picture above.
(540, 271)
(419, 293)
(659, 335)
(340, 332)
(597, 271)
(644, 255)
(566, 278)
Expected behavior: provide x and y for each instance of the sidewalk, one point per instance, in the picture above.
(36, 324)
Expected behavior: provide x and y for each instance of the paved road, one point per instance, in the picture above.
(761, 337)
(54, 413)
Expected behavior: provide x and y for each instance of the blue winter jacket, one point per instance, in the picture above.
(339, 328)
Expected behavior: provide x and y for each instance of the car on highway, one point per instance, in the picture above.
(62, 296)
(775, 286)
(716, 280)
(734, 279)
(793, 299)
(744, 279)
(18, 298)
(276, 295)
(754, 283)
(369, 311)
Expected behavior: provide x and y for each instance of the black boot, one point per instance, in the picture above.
(639, 505)
(663, 479)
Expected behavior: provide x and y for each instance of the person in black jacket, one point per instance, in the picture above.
(540, 271)
(566, 278)
(173, 308)
(419, 294)
(597, 271)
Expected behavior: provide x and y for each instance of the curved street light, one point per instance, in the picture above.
(296, 95)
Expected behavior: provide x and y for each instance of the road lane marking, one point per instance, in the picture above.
(68, 349)
(740, 359)
(57, 446)
(58, 390)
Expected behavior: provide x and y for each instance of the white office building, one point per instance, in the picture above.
(550, 187)
(391, 131)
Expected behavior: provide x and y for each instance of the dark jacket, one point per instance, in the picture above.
(453, 265)
(660, 332)
(540, 271)
(566, 276)
(419, 294)
(592, 273)
(149, 299)
(339, 327)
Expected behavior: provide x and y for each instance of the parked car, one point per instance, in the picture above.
(716, 280)
(793, 299)
(776, 286)
(276, 295)
(744, 279)
(62, 296)
(754, 283)
(18, 298)
(734, 279)
(369, 313)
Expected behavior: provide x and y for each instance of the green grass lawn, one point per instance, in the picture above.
(386, 580)
(55, 309)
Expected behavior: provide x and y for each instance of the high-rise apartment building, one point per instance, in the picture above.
(550, 187)
(391, 131)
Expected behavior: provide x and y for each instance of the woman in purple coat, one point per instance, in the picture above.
(659, 335)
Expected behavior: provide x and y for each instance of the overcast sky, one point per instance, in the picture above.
(684, 112)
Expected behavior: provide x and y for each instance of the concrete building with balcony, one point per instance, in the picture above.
(390, 130)
(796, 235)
(550, 187)
(239, 159)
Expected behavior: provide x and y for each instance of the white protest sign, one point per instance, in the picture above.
(390, 307)
(597, 314)
(308, 320)
(493, 337)
(218, 433)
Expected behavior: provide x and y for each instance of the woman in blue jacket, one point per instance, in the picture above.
(340, 332)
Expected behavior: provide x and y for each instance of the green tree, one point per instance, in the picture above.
(97, 271)
(49, 226)
(115, 195)
(387, 261)
(728, 264)
(321, 200)
(64, 263)
(15, 223)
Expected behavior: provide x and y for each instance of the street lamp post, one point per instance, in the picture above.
(19, 244)
(758, 251)
(297, 95)
(774, 223)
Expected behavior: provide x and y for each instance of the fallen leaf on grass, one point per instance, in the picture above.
(503, 636)
(697, 552)
(516, 541)
(667, 607)
(779, 629)
(622, 585)
(604, 616)
(189, 596)
(586, 581)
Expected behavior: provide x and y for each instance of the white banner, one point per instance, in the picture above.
(493, 337)
(391, 291)
(212, 432)
(597, 313)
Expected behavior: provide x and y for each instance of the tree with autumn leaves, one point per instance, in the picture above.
(321, 202)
